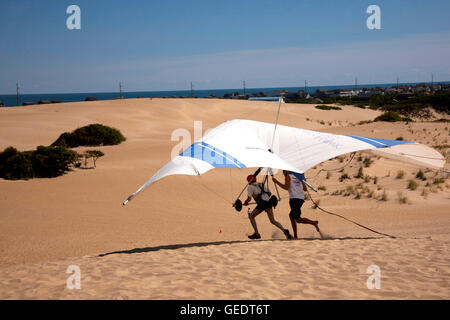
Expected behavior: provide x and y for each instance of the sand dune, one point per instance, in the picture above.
(194, 242)
(269, 269)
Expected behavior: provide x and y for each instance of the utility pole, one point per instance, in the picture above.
(356, 83)
(191, 89)
(244, 87)
(305, 87)
(120, 87)
(397, 83)
(17, 93)
(432, 81)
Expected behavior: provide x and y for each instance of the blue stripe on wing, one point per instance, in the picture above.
(215, 157)
(380, 143)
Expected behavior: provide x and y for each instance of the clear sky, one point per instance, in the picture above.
(163, 45)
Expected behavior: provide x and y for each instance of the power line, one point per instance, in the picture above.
(17, 93)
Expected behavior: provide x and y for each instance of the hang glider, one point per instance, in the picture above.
(253, 144)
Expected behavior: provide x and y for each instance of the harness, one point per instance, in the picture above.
(258, 198)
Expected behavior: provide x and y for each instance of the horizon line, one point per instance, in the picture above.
(246, 88)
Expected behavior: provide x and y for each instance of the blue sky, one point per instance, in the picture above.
(163, 45)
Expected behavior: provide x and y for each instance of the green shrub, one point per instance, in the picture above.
(360, 173)
(389, 116)
(343, 177)
(91, 135)
(402, 198)
(367, 162)
(94, 154)
(420, 175)
(441, 147)
(442, 120)
(325, 107)
(44, 162)
(15, 165)
(51, 162)
(400, 174)
(412, 185)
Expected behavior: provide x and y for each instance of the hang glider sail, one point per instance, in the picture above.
(249, 144)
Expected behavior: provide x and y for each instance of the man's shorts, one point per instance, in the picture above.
(296, 208)
(263, 205)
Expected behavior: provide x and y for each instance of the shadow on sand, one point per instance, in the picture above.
(218, 243)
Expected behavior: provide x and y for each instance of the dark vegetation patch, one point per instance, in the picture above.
(391, 116)
(410, 105)
(57, 159)
(44, 162)
(90, 135)
(325, 107)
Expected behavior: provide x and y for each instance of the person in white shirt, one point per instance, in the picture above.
(296, 199)
(261, 194)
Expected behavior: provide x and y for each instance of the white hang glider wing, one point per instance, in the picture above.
(246, 144)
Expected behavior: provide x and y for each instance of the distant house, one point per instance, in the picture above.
(392, 90)
(280, 92)
(2, 104)
(351, 93)
(321, 93)
(291, 95)
(302, 93)
(259, 94)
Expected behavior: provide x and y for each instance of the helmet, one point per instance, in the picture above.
(251, 178)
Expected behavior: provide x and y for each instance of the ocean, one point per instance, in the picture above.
(11, 99)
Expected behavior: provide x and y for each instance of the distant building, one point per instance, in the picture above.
(351, 93)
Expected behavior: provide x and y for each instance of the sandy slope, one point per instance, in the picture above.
(48, 224)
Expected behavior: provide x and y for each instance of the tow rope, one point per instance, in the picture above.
(358, 224)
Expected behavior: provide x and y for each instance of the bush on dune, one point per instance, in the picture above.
(15, 165)
(325, 107)
(48, 162)
(57, 159)
(389, 116)
(44, 162)
(91, 135)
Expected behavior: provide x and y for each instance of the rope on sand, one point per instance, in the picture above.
(338, 215)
